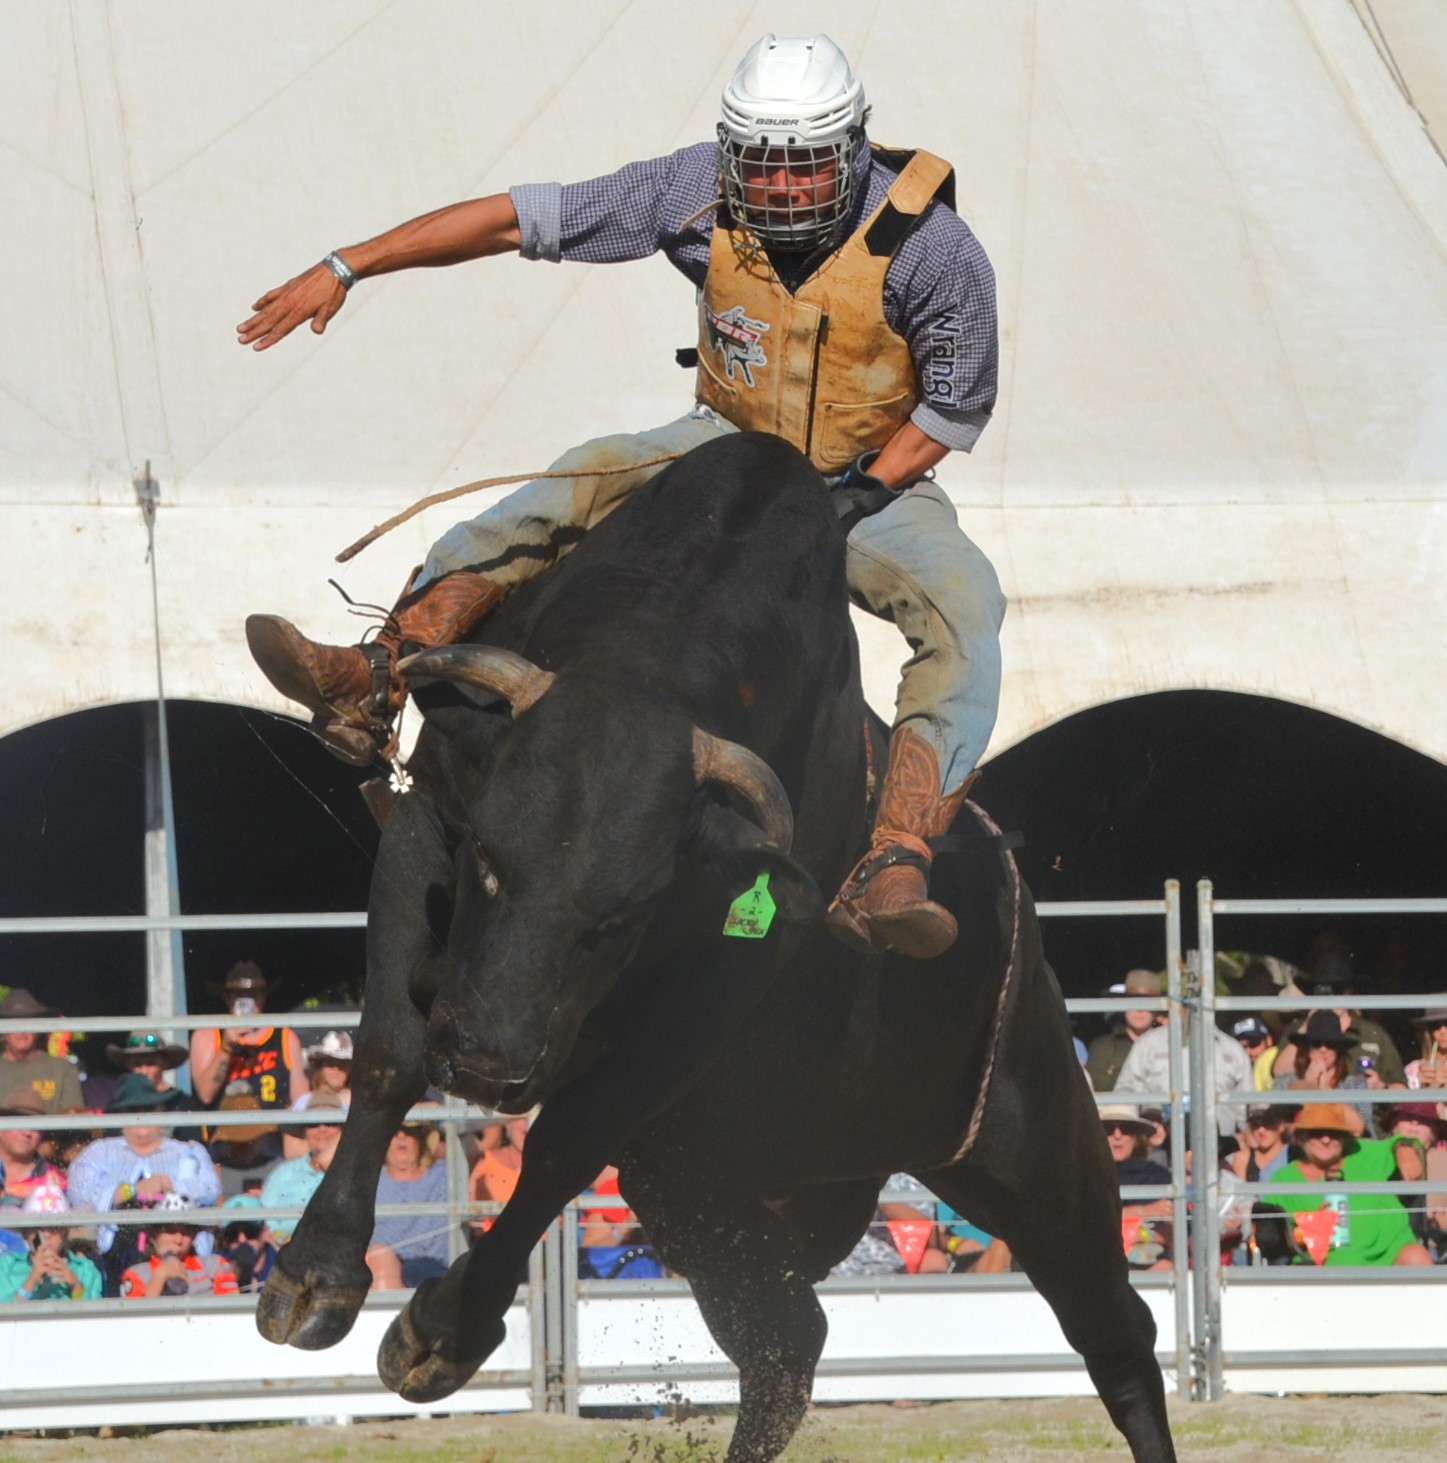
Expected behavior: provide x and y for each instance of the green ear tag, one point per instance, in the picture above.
(751, 914)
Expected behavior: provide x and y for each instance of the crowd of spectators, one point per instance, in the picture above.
(176, 1159)
(154, 1173)
(1326, 1046)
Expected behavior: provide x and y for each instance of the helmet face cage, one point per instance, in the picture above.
(788, 214)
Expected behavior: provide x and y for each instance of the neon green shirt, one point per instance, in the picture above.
(1371, 1228)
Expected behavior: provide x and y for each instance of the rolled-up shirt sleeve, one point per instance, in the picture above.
(539, 207)
(630, 214)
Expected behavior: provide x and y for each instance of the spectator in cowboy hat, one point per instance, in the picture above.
(1323, 1061)
(1369, 1229)
(1107, 1053)
(150, 1054)
(1430, 1068)
(328, 1068)
(267, 1058)
(1334, 979)
(1418, 1134)
(24, 1062)
(1128, 1136)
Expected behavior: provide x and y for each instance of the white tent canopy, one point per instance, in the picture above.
(1218, 225)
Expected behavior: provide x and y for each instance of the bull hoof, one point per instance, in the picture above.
(419, 1370)
(308, 1313)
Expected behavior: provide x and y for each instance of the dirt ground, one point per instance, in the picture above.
(1287, 1430)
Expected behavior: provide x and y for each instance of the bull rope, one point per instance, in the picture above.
(978, 1116)
(431, 501)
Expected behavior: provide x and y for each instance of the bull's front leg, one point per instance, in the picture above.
(451, 1326)
(320, 1278)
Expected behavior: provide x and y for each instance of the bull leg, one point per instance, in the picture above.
(451, 1326)
(1065, 1231)
(752, 1271)
(320, 1278)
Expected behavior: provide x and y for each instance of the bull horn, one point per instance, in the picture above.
(730, 765)
(489, 667)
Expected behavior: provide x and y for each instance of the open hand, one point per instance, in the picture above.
(316, 295)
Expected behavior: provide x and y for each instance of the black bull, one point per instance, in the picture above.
(545, 926)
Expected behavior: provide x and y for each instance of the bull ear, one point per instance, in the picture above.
(733, 850)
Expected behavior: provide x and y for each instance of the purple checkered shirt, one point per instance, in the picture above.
(939, 290)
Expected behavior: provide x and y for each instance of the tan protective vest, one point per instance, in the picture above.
(820, 368)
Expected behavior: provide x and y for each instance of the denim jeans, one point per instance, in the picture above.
(910, 564)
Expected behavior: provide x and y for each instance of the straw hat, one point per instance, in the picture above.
(1127, 1117)
(1324, 1117)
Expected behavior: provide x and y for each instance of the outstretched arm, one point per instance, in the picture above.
(451, 235)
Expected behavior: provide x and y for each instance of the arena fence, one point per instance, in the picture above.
(576, 1343)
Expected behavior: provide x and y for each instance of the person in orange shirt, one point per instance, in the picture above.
(173, 1266)
(495, 1174)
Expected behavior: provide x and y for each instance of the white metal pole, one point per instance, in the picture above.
(1175, 1047)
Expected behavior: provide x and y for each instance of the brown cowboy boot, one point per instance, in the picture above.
(885, 903)
(353, 691)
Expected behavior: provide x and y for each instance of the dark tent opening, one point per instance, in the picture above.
(1265, 798)
(266, 822)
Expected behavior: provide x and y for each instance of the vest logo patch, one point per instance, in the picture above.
(737, 339)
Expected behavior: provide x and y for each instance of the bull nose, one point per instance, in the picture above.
(456, 1050)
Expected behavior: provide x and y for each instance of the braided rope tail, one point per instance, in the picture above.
(1011, 966)
(433, 499)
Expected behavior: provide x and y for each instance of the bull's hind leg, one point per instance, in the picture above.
(752, 1272)
(320, 1278)
(1063, 1225)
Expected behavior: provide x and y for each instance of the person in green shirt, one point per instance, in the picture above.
(49, 1269)
(1370, 1229)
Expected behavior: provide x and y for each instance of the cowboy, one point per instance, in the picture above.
(25, 1064)
(844, 306)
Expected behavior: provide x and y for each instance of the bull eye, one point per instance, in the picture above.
(615, 921)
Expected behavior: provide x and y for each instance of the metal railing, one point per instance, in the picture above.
(560, 1375)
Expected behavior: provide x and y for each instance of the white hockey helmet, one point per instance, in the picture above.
(794, 102)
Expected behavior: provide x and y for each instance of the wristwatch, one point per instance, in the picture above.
(339, 267)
